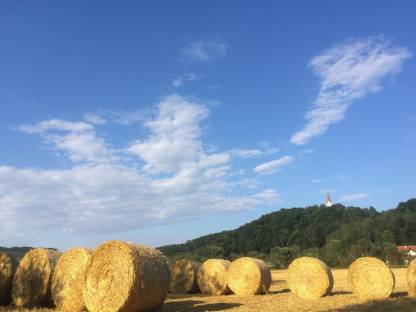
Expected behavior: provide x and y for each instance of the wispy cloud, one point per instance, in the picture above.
(204, 50)
(347, 72)
(317, 180)
(274, 165)
(353, 197)
(109, 116)
(94, 118)
(171, 178)
(254, 152)
(179, 81)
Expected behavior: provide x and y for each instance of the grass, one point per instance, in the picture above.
(279, 298)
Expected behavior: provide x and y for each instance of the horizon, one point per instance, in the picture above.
(241, 225)
(152, 123)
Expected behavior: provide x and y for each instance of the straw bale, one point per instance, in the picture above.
(68, 280)
(248, 276)
(212, 277)
(7, 269)
(184, 277)
(309, 278)
(370, 278)
(32, 281)
(124, 277)
(411, 277)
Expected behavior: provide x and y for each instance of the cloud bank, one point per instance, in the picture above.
(348, 72)
(167, 176)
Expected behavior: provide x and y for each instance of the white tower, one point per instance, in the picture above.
(328, 202)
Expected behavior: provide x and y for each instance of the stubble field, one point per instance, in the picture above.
(279, 298)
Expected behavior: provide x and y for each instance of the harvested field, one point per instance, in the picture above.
(280, 299)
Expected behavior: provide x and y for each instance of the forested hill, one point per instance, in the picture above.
(337, 234)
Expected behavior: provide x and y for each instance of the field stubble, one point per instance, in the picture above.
(279, 298)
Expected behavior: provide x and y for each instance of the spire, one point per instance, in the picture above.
(328, 202)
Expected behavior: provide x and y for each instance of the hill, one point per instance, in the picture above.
(335, 234)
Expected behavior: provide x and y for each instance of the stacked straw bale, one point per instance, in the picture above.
(32, 281)
(411, 277)
(68, 280)
(248, 276)
(309, 278)
(370, 278)
(212, 277)
(184, 277)
(7, 269)
(124, 277)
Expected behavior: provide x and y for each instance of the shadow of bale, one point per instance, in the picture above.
(386, 305)
(196, 306)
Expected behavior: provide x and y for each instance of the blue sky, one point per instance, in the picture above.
(160, 122)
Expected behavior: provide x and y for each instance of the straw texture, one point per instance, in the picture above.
(370, 278)
(184, 277)
(32, 281)
(248, 276)
(7, 269)
(309, 278)
(68, 280)
(411, 277)
(212, 277)
(124, 277)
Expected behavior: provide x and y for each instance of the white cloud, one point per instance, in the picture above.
(246, 153)
(77, 139)
(274, 165)
(204, 50)
(353, 197)
(173, 179)
(179, 81)
(317, 180)
(347, 72)
(254, 152)
(94, 118)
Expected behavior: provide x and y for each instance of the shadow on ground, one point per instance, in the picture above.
(197, 306)
(397, 303)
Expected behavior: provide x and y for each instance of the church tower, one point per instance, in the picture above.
(328, 202)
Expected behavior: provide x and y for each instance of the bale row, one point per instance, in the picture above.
(368, 277)
(117, 276)
(244, 276)
(120, 276)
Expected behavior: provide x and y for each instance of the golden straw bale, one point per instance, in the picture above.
(309, 278)
(212, 277)
(124, 277)
(68, 280)
(248, 276)
(370, 278)
(7, 269)
(411, 277)
(184, 277)
(31, 283)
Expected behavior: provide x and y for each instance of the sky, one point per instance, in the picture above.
(163, 121)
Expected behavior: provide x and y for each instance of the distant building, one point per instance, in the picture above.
(410, 250)
(328, 202)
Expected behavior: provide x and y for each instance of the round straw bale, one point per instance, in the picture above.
(124, 277)
(212, 277)
(411, 277)
(68, 280)
(31, 283)
(370, 278)
(184, 277)
(248, 276)
(7, 269)
(309, 278)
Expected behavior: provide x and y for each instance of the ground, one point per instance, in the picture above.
(279, 298)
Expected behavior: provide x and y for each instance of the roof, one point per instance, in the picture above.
(406, 248)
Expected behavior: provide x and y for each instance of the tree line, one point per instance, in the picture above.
(336, 235)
